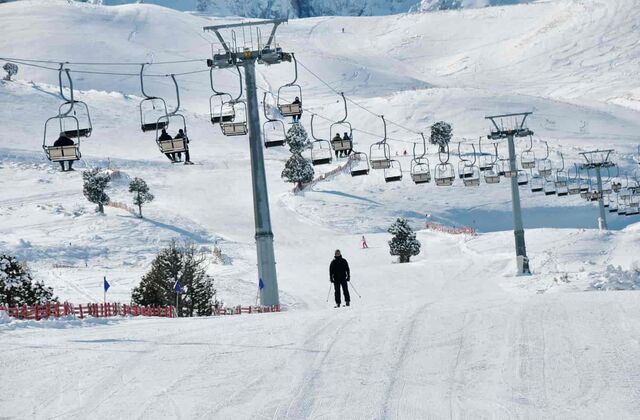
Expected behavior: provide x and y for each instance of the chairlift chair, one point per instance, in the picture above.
(420, 169)
(528, 157)
(61, 153)
(544, 165)
(394, 172)
(342, 126)
(78, 108)
(536, 183)
(237, 127)
(174, 145)
(152, 109)
(486, 161)
(289, 108)
(523, 178)
(506, 170)
(470, 171)
(321, 152)
(549, 187)
(358, 164)
(274, 133)
(221, 111)
(380, 152)
(492, 175)
(444, 172)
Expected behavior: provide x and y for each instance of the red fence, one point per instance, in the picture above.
(239, 310)
(96, 310)
(451, 230)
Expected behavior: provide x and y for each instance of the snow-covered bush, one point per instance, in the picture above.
(298, 170)
(17, 286)
(96, 182)
(297, 138)
(617, 278)
(404, 243)
(11, 69)
(187, 264)
(141, 194)
(441, 133)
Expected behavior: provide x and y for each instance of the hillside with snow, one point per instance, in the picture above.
(453, 334)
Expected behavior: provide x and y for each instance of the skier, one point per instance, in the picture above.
(64, 141)
(181, 135)
(296, 117)
(346, 137)
(340, 275)
(363, 241)
(337, 138)
(165, 136)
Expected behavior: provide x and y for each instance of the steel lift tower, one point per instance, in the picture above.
(515, 127)
(246, 57)
(597, 160)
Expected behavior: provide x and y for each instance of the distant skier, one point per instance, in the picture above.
(64, 141)
(187, 159)
(363, 242)
(163, 137)
(340, 275)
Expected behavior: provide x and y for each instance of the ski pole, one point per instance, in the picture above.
(354, 289)
(329, 294)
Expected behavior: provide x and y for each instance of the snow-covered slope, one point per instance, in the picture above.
(453, 334)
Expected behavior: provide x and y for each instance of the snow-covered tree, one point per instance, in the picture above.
(187, 264)
(441, 133)
(11, 69)
(95, 183)
(298, 170)
(297, 138)
(17, 286)
(141, 194)
(404, 243)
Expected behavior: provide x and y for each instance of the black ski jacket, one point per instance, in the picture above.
(339, 270)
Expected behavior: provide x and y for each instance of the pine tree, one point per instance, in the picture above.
(17, 286)
(298, 170)
(11, 69)
(140, 189)
(185, 263)
(404, 243)
(95, 183)
(297, 138)
(441, 133)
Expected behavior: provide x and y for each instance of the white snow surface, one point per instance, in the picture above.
(453, 334)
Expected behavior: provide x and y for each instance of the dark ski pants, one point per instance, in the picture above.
(345, 289)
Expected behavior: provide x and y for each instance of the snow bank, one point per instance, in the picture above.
(617, 278)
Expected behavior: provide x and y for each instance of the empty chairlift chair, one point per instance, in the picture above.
(273, 131)
(321, 152)
(536, 183)
(420, 169)
(221, 103)
(237, 127)
(523, 178)
(486, 160)
(380, 152)
(152, 108)
(470, 172)
(528, 157)
(492, 173)
(444, 172)
(545, 168)
(359, 164)
(394, 172)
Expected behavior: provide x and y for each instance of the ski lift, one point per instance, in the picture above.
(523, 178)
(152, 109)
(238, 125)
(394, 172)
(293, 108)
(492, 173)
(544, 164)
(274, 133)
(420, 171)
(178, 144)
(536, 183)
(70, 152)
(358, 164)
(219, 109)
(380, 152)
(470, 171)
(321, 153)
(444, 173)
(341, 144)
(528, 157)
(486, 161)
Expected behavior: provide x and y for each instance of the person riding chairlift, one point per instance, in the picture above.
(339, 139)
(64, 141)
(163, 137)
(296, 101)
(181, 135)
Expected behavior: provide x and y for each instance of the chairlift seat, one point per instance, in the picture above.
(613, 209)
(290, 110)
(471, 182)
(562, 192)
(446, 181)
(232, 129)
(62, 153)
(528, 164)
(421, 177)
(360, 172)
(574, 189)
(492, 178)
(321, 161)
(172, 146)
(523, 181)
(393, 178)
(382, 163)
(274, 143)
(341, 145)
(155, 126)
(83, 132)
(224, 118)
(510, 174)
(549, 192)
